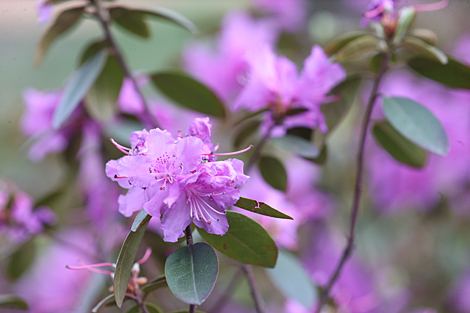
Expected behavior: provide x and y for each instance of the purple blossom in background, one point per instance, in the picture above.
(289, 15)
(44, 11)
(274, 83)
(460, 294)
(177, 178)
(224, 68)
(18, 218)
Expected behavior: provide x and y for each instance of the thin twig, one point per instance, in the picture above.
(189, 242)
(222, 301)
(103, 17)
(254, 288)
(258, 149)
(358, 184)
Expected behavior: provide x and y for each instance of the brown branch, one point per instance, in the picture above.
(254, 288)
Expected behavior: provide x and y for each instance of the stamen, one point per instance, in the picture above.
(431, 6)
(230, 153)
(115, 176)
(210, 207)
(146, 256)
(92, 267)
(202, 214)
(375, 12)
(121, 148)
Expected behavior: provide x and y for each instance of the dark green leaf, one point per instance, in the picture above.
(293, 280)
(295, 111)
(191, 272)
(336, 44)
(125, 262)
(63, 23)
(453, 74)
(302, 132)
(405, 19)
(400, 148)
(152, 308)
(426, 35)
(92, 49)
(417, 124)
(297, 145)
(100, 101)
(12, 302)
(424, 49)
(375, 61)
(130, 20)
(171, 16)
(156, 283)
(273, 172)
(321, 159)
(250, 115)
(246, 132)
(21, 260)
(77, 87)
(336, 111)
(260, 208)
(245, 241)
(140, 220)
(357, 48)
(102, 302)
(189, 93)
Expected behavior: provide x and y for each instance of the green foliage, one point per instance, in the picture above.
(246, 132)
(400, 148)
(103, 302)
(100, 101)
(453, 74)
(245, 241)
(140, 220)
(13, 302)
(130, 20)
(189, 93)
(126, 259)
(21, 260)
(296, 145)
(273, 172)
(156, 283)
(338, 43)
(77, 87)
(152, 308)
(357, 48)
(292, 279)
(425, 49)
(260, 208)
(62, 24)
(172, 17)
(405, 19)
(92, 49)
(417, 124)
(322, 157)
(426, 35)
(191, 272)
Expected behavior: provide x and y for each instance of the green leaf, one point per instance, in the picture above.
(296, 145)
(260, 208)
(250, 115)
(191, 272)
(400, 148)
(357, 48)
(102, 302)
(336, 111)
(21, 260)
(293, 280)
(13, 302)
(171, 16)
(273, 172)
(425, 50)
(152, 308)
(77, 87)
(130, 20)
(62, 24)
(140, 220)
(101, 99)
(453, 74)
(156, 283)
(302, 132)
(375, 62)
(405, 19)
(322, 158)
(189, 93)
(92, 49)
(417, 124)
(246, 132)
(336, 44)
(426, 35)
(125, 261)
(245, 241)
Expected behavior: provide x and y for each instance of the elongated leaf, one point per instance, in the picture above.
(453, 74)
(400, 148)
(171, 16)
(92, 49)
(426, 35)
(141, 219)
(125, 261)
(77, 87)
(273, 172)
(21, 260)
(12, 302)
(297, 145)
(191, 272)
(62, 24)
(250, 115)
(291, 278)
(100, 101)
(152, 308)
(156, 283)
(336, 111)
(416, 123)
(405, 19)
(302, 132)
(337, 43)
(357, 48)
(260, 208)
(424, 49)
(322, 157)
(189, 93)
(245, 241)
(246, 132)
(130, 20)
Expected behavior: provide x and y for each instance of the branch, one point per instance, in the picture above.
(189, 242)
(103, 17)
(358, 184)
(254, 288)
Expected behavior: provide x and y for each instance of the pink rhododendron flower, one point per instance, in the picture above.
(18, 218)
(275, 83)
(44, 11)
(288, 15)
(178, 178)
(223, 69)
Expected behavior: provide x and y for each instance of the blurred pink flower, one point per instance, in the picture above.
(44, 11)
(289, 15)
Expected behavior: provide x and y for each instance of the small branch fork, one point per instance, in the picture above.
(358, 184)
(103, 17)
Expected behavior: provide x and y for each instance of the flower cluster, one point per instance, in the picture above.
(178, 179)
